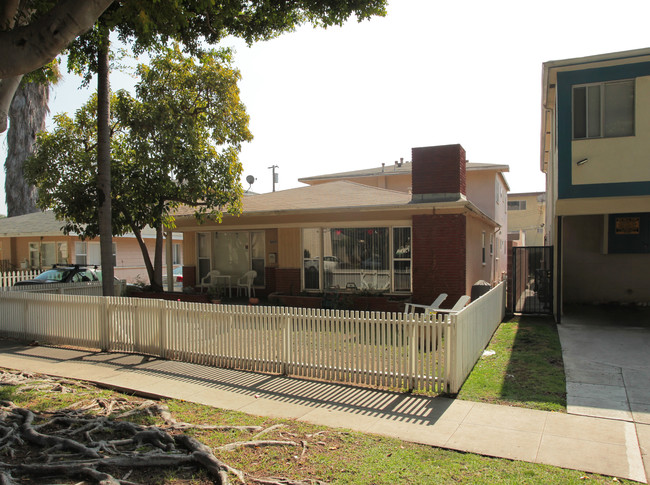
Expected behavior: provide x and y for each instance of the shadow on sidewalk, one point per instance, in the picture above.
(364, 401)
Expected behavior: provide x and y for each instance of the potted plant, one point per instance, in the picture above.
(215, 294)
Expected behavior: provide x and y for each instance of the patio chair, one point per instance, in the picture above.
(409, 307)
(246, 283)
(210, 279)
(458, 306)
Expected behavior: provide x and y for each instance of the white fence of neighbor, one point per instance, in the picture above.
(397, 351)
(8, 278)
(471, 331)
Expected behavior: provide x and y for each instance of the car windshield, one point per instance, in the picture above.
(57, 274)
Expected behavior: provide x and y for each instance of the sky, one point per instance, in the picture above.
(429, 73)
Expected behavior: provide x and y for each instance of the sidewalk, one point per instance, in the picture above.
(590, 444)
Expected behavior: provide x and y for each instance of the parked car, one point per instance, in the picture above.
(330, 263)
(178, 279)
(62, 274)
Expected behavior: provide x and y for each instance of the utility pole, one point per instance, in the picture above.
(275, 175)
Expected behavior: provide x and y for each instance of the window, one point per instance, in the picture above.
(402, 258)
(363, 258)
(34, 255)
(516, 205)
(483, 259)
(80, 253)
(491, 244)
(203, 242)
(176, 253)
(603, 110)
(48, 254)
(90, 254)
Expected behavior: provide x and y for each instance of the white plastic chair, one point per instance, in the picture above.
(458, 306)
(209, 280)
(246, 283)
(409, 307)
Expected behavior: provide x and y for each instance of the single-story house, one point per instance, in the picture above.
(435, 224)
(36, 241)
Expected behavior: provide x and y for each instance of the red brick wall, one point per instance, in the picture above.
(287, 281)
(439, 170)
(189, 276)
(439, 257)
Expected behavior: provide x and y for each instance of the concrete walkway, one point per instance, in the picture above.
(607, 365)
(592, 444)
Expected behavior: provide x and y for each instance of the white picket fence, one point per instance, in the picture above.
(471, 331)
(8, 278)
(86, 288)
(396, 351)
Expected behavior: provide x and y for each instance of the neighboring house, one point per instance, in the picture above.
(526, 218)
(595, 146)
(36, 241)
(407, 230)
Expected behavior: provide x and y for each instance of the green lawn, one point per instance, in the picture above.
(526, 369)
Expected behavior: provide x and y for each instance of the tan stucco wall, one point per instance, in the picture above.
(481, 191)
(289, 244)
(476, 270)
(189, 249)
(614, 160)
(593, 277)
(529, 220)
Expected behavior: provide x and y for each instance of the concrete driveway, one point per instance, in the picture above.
(606, 352)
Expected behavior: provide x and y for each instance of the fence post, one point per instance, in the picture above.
(286, 344)
(25, 316)
(104, 324)
(162, 330)
(413, 349)
(452, 355)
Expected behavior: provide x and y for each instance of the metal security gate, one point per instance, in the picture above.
(532, 279)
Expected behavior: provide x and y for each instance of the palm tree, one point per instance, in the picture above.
(27, 114)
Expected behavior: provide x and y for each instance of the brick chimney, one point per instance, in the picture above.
(438, 173)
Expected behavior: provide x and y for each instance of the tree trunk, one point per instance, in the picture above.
(28, 111)
(158, 260)
(104, 164)
(145, 255)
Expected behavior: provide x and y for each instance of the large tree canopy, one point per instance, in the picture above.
(33, 32)
(177, 142)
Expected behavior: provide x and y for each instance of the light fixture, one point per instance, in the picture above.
(582, 162)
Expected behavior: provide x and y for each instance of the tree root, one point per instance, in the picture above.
(91, 439)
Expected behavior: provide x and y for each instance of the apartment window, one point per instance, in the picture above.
(603, 110)
(491, 244)
(516, 205)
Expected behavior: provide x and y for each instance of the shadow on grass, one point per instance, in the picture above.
(525, 370)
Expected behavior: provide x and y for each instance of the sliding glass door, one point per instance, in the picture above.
(232, 253)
